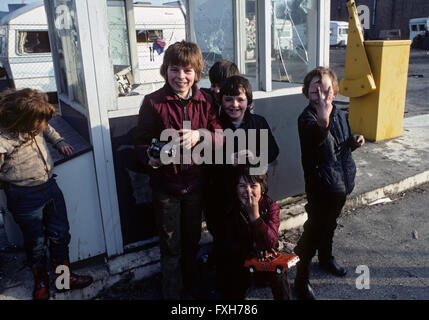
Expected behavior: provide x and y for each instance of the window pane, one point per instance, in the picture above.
(33, 42)
(294, 29)
(148, 36)
(214, 31)
(251, 51)
(119, 45)
(69, 56)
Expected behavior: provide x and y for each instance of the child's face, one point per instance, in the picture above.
(181, 79)
(235, 106)
(246, 188)
(324, 84)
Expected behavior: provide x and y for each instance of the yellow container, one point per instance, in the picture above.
(379, 114)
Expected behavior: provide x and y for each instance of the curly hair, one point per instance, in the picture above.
(320, 72)
(183, 54)
(24, 111)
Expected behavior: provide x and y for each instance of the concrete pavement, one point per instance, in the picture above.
(384, 169)
(390, 244)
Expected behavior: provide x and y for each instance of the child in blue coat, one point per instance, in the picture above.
(329, 173)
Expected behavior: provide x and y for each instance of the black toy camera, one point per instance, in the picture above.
(155, 149)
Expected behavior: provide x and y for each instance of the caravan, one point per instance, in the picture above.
(25, 53)
(338, 33)
(418, 26)
(156, 27)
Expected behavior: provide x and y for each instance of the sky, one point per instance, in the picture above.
(3, 3)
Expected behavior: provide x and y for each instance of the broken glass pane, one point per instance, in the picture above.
(293, 21)
(214, 30)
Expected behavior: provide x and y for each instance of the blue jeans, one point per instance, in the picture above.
(41, 214)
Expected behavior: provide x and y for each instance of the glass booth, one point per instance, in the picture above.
(107, 56)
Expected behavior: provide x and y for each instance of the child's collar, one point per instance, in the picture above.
(195, 93)
(187, 97)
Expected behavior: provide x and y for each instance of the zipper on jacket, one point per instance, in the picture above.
(184, 103)
(185, 113)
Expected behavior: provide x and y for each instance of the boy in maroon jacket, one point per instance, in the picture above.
(177, 187)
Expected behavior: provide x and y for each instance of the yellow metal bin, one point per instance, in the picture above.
(379, 114)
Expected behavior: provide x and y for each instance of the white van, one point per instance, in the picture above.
(338, 33)
(25, 54)
(418, 26)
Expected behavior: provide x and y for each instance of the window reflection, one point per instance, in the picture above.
(294, 25)
(69, 57)
(221, 38)
(119, 44)
(214, 30)
(251, 51)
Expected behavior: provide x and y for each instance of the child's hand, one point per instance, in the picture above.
(188, 138)
(359, 139)
(251, 203)
(324, 107)
(153, 162)
(235, 156)
(67, 150)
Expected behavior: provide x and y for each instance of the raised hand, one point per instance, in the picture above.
(251, 204)
(324, 106)
(360, 140)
